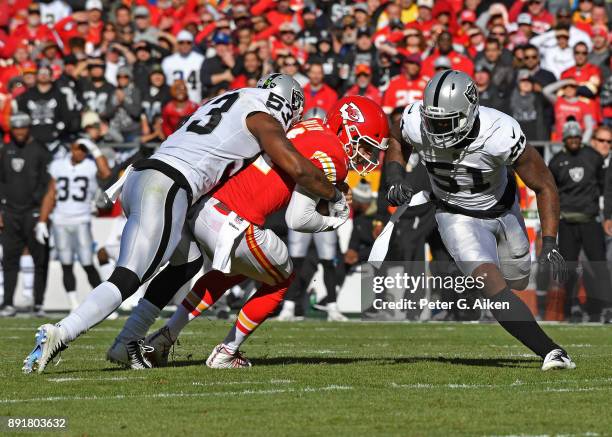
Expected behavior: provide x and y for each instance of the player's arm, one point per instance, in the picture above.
(104, 171)
(48, 202)
(273, 140)
(395, 167)
(302, 214)
(533, 171)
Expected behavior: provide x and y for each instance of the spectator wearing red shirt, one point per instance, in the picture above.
(287, 43)
(363, 85)
(569, 106)
(251, 71)
(176, 109)
(276, 15)
(585, 74)
(316, 92)
(541, 19)
(445, 48)
(94, 16)
(424, 21)
(406, 88)
(32, 31)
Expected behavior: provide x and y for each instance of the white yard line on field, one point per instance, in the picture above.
(112, 378)
(179, 395)
(517, 383)
(222, 383)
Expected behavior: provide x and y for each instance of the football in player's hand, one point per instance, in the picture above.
(323, 207)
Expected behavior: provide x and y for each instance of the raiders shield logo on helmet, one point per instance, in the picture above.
(17, 164)
(351, 112)
(297, 100)
(576, 173)
(471, 93)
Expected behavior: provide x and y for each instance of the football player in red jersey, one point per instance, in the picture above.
(228, 225)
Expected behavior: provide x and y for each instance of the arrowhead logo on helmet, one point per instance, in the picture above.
(351, 112)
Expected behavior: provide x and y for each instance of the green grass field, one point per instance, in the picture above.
(317, 378)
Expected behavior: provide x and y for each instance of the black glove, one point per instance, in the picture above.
(399, 193)
(550, 254)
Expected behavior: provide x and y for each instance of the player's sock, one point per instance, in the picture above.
(139, 322)
(68, 278)
(205, 292)
(520, 323)
(93, 277)
(106, 270)
(103, 300)
(26, 265)
(73, 299)
(329, 278)
(259, 307)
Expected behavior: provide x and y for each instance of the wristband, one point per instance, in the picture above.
(549, 241)
(96, 152)
(337, 195)
(394, 172)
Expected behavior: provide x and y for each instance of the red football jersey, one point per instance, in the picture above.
(172, 115)
(564, 109)
(262, 188)
(403, 92)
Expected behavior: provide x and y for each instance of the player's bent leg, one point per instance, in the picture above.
(516, 318)
(259, 307)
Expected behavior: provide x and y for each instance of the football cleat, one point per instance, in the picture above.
(334, 314)
(8, 311)
(558, 359)
(48, 345)
(287, 314)
(222, 358)
(161, 342)
(118, 354)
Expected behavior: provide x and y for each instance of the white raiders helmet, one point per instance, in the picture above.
(450, 108)
(315, 112)
(288, 88)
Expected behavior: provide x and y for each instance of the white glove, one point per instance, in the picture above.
(42, 232)
(90, 146)
(339, 209)
(334, 223)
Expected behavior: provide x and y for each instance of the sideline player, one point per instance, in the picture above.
(217, 141)
(467, 149)
(70, 195)
(259, 253)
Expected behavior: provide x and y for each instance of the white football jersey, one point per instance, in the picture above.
(75, 186)
(187, 69)
(215, 141)
(474, 177)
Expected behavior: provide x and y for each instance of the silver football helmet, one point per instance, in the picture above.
(315, 112)
(288, 88)
(450, 108)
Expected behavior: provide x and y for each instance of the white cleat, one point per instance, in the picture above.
(334, 314)
(222, 358)
(48, 345)
(558, 359)
(287, 314)
(161, 342)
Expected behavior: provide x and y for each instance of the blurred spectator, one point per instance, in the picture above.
(289, 65)
(489, 94)
(125, 122)
(33, 31)
(287, 44)
(540, 76)
(444, 47)
(46, 106)
(502, 74)
(407, 87)
(316, 92)
(568, 106)
(606, 101)
(325, 56)
(585, 74)
(96, 93)
(541, 19)
(185, 65)
(363, 52)
(363, 85)
(67, 84)
(579, 175)
(144, 62)
(600, 55)
(23, 183)
(178, 108)
(499, 33)
(601, 142)
(526, 105)
(155, 97)
(276, 13)
(559, 57)
(251, 71)
(219, 71)
(549, 39)
(144, 31)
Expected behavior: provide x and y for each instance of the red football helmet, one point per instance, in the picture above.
(362, 126)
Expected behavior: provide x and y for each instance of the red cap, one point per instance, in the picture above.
(467, 16)
(28, 67)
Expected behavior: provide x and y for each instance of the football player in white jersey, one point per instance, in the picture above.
(70, 195)
(471, 153)
(185, 65)
(218, 140)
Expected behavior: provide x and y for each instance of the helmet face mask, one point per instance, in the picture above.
(450, 108)
(362, 151)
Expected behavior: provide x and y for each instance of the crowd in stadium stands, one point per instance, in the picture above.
(127, 72)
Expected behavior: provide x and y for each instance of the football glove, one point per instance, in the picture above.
(338, 208)
(550, 255)
(398, 193)
(42, 232)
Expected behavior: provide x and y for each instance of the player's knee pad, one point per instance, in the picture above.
(518, 284)
(125, 280)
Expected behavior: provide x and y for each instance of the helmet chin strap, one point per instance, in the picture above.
(352, 150)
